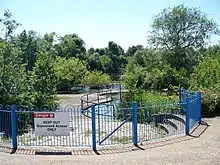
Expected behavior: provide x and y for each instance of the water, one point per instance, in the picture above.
(106, 109)
(87, 89)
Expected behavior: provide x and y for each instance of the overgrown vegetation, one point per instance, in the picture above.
(34, 67)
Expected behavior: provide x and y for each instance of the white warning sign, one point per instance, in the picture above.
(51, 123)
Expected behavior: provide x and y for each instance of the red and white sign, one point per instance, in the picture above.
(51, 123)
(44, 115)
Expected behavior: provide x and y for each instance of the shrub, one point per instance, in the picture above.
(69, 72)
(159, 79)
(96, 78)
(206, 78)
(149, 104)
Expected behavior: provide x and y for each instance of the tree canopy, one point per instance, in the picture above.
(33, 66)
(181, 31)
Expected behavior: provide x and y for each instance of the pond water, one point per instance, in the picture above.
(106, 109)
(84, 90)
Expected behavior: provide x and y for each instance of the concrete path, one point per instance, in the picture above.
(203, 150)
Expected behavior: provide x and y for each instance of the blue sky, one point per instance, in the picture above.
(125, 22)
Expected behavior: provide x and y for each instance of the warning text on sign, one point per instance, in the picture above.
(51, 124)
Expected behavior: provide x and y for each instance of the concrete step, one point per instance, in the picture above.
(170, 130)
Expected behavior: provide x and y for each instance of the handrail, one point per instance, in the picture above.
(103, 92)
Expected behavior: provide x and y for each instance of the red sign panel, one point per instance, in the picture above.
(44, 115)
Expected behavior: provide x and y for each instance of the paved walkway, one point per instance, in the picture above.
(203, 150)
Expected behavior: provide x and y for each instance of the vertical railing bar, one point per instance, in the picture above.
(134, 123)
(14, 128)
(187, 115)
(93, 129)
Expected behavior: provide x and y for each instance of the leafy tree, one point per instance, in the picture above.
(165, 78)
(116, 53)
(12, 74)
(206, 78)
(133, 49)
(71, 45)
(207, 74)
(93, 63)
(181, 31)
(106, 64)
(149, 58)
(69, 71)
(96, 79)
(211, 51)
(28, 42)
(43, 80)
(133, 76)
(9, 25)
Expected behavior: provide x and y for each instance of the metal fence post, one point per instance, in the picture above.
(187, 115)
(14, 127)
(200, 107)
(93, 129)
(180, 93)
(134, 123)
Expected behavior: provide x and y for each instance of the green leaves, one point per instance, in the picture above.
(206, 78)
(181, 31)
(96, 78)
(69, 71)
(43, 81)
(71, 46)
(207, 74)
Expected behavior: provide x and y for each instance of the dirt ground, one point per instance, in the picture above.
(202, 149)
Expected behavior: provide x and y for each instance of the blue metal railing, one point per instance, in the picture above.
(105, 124)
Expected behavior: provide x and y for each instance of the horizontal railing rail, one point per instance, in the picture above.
(95, 123)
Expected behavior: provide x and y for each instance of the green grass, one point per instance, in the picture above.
(103, 133)
(123, 139)
(40, 137)
(4, 139)
(88, 132)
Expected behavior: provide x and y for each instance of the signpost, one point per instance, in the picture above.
(51, 123)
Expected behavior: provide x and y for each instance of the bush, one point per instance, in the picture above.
(159, 79)
(96, 79)
(149, 104)
(206, 78)
(69, 72)
(210, 103)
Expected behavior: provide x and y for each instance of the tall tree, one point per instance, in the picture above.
(28, 42)
(71, 45)
(69, 71)
(12, 75)
(9, 25)
(117, 55)
(181, 30)
(132, 50)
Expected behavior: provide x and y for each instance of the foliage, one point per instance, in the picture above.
(133, 49)
(96, 78)
(150, 104)
(71, 45)
(109, 60)
(43, 80)
(165, 78)
(206, 78)
(146, 77)
(33, 67)
(9, 25)
(69, 71)
(181, 30)
(12, 75)
(28, 42)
